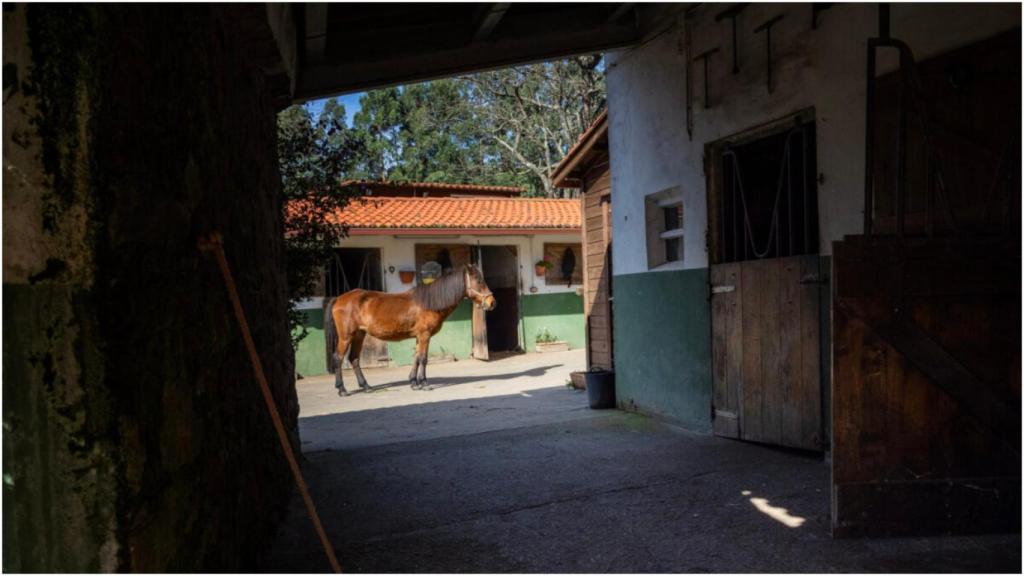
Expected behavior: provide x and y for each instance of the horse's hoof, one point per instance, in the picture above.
(342, 393)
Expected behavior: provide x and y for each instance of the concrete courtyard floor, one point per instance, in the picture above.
(502, 468)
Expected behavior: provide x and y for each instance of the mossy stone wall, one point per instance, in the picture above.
(135, 437)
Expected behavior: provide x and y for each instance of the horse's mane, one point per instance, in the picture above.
(445, 292)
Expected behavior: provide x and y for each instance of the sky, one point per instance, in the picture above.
(350, 101)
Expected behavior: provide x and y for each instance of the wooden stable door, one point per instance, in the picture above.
(766, 351)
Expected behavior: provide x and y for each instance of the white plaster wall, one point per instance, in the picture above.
(822, 69)
(400, 252)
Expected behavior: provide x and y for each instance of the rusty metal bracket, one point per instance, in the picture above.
(733, 13)
(705, 56)
(816, 9)
(767, 29)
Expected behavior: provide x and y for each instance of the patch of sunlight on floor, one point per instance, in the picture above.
(775, 512)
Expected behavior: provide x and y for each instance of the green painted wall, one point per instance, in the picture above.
(561, 314)
(455, 337)
(663, 345)
(309, 358)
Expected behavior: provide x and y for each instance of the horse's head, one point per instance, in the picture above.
(477, 290)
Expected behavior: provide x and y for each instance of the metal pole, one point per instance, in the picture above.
(901, 148)
(869, 138)
(803, 188)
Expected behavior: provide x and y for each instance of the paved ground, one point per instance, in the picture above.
(504, 469)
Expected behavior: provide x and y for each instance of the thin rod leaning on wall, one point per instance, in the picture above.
(214, 243)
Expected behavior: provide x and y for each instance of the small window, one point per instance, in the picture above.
(664, 227)
(673, 216)
(566, 264)
(672, 251)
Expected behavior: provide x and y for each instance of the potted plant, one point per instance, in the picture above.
(600, 385)
(407, 276)
(542, 267)
(548, 342)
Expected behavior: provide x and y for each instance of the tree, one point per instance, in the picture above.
(507, 127)
(315, 158)
(534, 114)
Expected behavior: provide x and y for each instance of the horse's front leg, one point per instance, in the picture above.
(412, 373)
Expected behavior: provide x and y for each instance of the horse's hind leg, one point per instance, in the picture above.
(422, 347)
(354, 350)
(339, 354)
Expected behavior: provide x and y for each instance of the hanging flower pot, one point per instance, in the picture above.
(407, 276)
(541, 267)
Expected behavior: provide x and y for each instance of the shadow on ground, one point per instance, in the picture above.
(446, 380)
(536, 482)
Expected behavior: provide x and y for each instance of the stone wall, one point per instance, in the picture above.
(135, 438)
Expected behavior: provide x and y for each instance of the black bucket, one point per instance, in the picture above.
(600, 389)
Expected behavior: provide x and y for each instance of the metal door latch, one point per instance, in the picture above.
(814, 279)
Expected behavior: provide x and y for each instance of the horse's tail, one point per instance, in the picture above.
(330, 335)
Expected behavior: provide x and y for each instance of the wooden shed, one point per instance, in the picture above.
(587, 167)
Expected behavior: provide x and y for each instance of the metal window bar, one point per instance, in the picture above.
(784, 183)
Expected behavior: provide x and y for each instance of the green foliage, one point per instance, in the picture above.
(508, 127)
(544, 336)
(315, 157)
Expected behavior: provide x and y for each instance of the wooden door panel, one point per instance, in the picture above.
(727, 347)
(766, 351)
(926, 395)
(751, 397)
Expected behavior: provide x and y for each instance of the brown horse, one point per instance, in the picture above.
(417, 313)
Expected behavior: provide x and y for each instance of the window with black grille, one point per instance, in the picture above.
(764, 194)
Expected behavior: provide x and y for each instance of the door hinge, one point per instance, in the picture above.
(723, 289)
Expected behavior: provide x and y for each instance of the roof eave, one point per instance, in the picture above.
(439, 231)
(564, 175)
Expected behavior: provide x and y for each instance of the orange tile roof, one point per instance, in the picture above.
(439, 186)
(446, 214)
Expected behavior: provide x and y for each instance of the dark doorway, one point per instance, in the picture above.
(501, 271)
(354, 268)
(764, 193)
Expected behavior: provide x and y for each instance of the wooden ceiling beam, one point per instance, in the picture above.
(487, 18)
(619, 11)
(316, 32)
(360, 74)
(385, 51)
